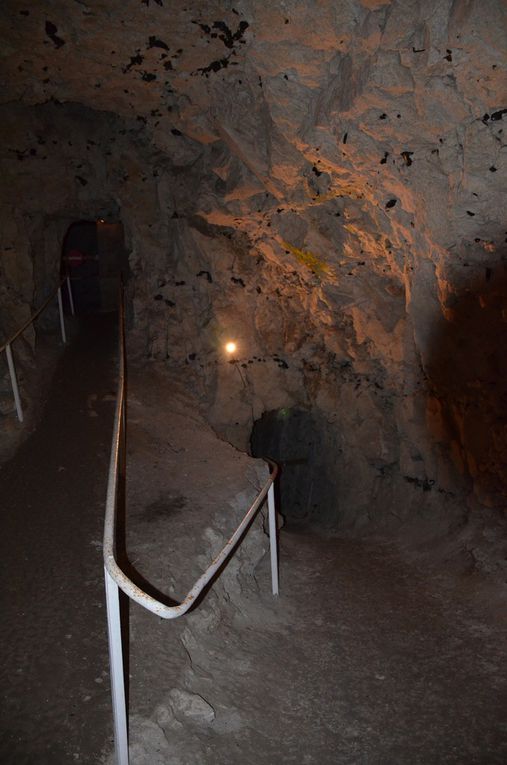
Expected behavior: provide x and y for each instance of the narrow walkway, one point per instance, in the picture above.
(54, 688)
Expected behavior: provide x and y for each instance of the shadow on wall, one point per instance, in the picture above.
(467, 371)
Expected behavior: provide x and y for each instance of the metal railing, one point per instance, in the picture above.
(7, 346)
(116, 579)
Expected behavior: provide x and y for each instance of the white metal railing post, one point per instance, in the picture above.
(62, 320)
(117, 670)
(14, 382)
(7, 346)
(272, 539)
(71, 296)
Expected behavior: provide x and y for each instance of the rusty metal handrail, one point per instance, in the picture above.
(116, 579)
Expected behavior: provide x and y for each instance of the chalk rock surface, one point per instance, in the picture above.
(323, 182)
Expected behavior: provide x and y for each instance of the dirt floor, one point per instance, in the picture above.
(363, 659)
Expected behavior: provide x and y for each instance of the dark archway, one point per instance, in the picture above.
(305, 445)
(467, 375)
(94, 257)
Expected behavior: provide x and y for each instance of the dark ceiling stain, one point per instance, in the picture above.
(155, 42)
(51, 30)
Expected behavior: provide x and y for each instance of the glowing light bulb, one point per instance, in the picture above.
(231, 347)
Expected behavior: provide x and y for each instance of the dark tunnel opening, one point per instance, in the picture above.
(94, 256)
(305, 446)
(467, 381)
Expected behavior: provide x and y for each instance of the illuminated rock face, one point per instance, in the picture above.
(319, 182)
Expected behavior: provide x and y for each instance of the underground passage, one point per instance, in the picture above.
(93, 257)
(253, 382)
(304, 446)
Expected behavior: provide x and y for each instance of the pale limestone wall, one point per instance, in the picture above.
(322, 181)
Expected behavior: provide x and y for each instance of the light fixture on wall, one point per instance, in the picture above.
(230, 348)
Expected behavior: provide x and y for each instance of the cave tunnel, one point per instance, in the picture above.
(303, 445)
(306, 203)
(94, 257)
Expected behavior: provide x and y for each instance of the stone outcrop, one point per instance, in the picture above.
(321, 182)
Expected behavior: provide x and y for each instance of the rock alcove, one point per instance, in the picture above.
(305, 448)
(322, 183)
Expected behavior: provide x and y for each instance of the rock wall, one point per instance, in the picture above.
(319, 181)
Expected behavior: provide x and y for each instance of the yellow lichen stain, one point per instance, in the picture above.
(344, 191)
(315, 263)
